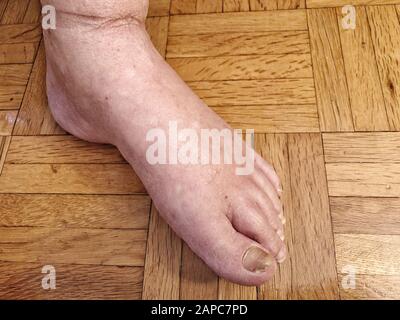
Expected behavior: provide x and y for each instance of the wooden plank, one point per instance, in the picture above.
(60, 149)
(183, 6)
(341, 3)
(33, 12)
(163, 261)
(209, 6)
(3, 6)
(35, 117)
(23, 281)
(285, 20)
(73, 246)
(15, 12)
(70, 178)
(20, 33)
(74, 211)
(372, 147)
(198, 282)
(243, 67)
(13, 81)
(365, 215)
(226, 44)
(369, 254)
(366, 97)
(158, 31)
(385, 28)
(363, 179)
(256, 5)
(7, 120)
(274, 148)
(372, 287)
(236, 5)
(310, 271)
(158, 8)
(17, 53)
(329, 72)
(14, 74)
(231, 291)
(271, 118)
(255, 92)
(4, 144)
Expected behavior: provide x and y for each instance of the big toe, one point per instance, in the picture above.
(235, 256)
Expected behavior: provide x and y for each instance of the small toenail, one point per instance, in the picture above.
(283, 219)
(257, 260)
(280, 191)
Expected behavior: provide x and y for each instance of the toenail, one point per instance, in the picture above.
(257, 260)
(283, 219)
(280, 191)
(281, 235)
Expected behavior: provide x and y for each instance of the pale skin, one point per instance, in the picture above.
(106, 83)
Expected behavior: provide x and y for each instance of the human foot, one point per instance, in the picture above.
(106, 83)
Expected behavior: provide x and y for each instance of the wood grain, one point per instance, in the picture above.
(4, 144)
(23, 281)
(20, 33)
(13, 81)
(363, 179)
(60, 149)
(385, 27)
(35, 117)
(372, 287)
(198, 282)
(366, 97)
(158, 31)
(341, 3)
(163, 261)
(17, 53)
(15, 12)
(365, 215)
(70, 178)
(284, 20)
(375, 147)
(255, 92)
(159, 8)
(75, 211)
(115, 247)
(183, 6)
(369, 254)
(244, 67)
(237, 43)
(236, 5)
(271, 118)
(329, 72)
(206, 6)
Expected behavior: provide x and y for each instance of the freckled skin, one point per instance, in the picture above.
(106, 83)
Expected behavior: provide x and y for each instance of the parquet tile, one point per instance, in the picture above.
(324, 103)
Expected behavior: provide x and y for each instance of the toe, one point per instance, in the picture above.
(266, 196)
(255, 225)
(269, 172)
(234, 256)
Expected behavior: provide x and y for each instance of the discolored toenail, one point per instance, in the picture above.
(281, 235)
(257, 260)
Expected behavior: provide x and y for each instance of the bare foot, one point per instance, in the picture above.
(107, 83)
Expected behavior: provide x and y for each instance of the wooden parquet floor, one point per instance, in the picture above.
(325, 104)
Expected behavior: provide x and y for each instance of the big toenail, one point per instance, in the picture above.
(257, 260)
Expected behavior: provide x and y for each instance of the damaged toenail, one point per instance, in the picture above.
(257, 260)
(280, 191)
(283, 219)
(281, 235)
